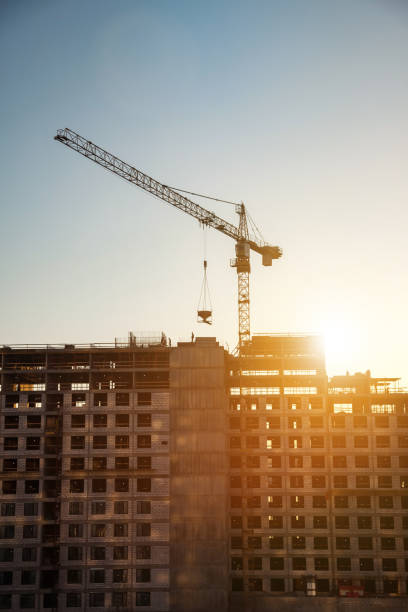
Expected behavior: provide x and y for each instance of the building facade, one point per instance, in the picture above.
(144, 476)
(318, 477)
(85, 478)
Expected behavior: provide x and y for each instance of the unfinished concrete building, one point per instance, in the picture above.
(85, 506)
(318, 478)
(140, 476)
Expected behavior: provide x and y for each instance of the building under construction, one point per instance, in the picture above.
(142, 476)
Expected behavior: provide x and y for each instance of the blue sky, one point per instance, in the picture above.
(297, 108)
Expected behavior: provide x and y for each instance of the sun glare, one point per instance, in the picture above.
(338, 340)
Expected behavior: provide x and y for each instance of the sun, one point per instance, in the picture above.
(335, 341)
(338, 344)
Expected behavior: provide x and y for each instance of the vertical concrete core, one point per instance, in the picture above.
(198, 478)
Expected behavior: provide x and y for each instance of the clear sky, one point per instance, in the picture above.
(297, 108)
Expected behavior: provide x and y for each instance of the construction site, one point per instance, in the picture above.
(141, 476)
(185, 478)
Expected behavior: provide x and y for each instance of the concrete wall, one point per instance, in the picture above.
(198, 478)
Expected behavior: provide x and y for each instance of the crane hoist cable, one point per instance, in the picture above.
(204, 309)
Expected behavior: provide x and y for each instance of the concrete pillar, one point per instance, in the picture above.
(198, 478)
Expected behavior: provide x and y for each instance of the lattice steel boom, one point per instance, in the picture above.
(244, 242)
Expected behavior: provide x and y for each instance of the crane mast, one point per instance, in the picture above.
(243, 266)
(243, 241)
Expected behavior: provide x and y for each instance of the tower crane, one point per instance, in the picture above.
(244, 243)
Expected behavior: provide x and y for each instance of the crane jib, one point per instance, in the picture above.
(117, 166)
(129, 173)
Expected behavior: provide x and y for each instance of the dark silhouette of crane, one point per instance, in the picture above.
(244, 242)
